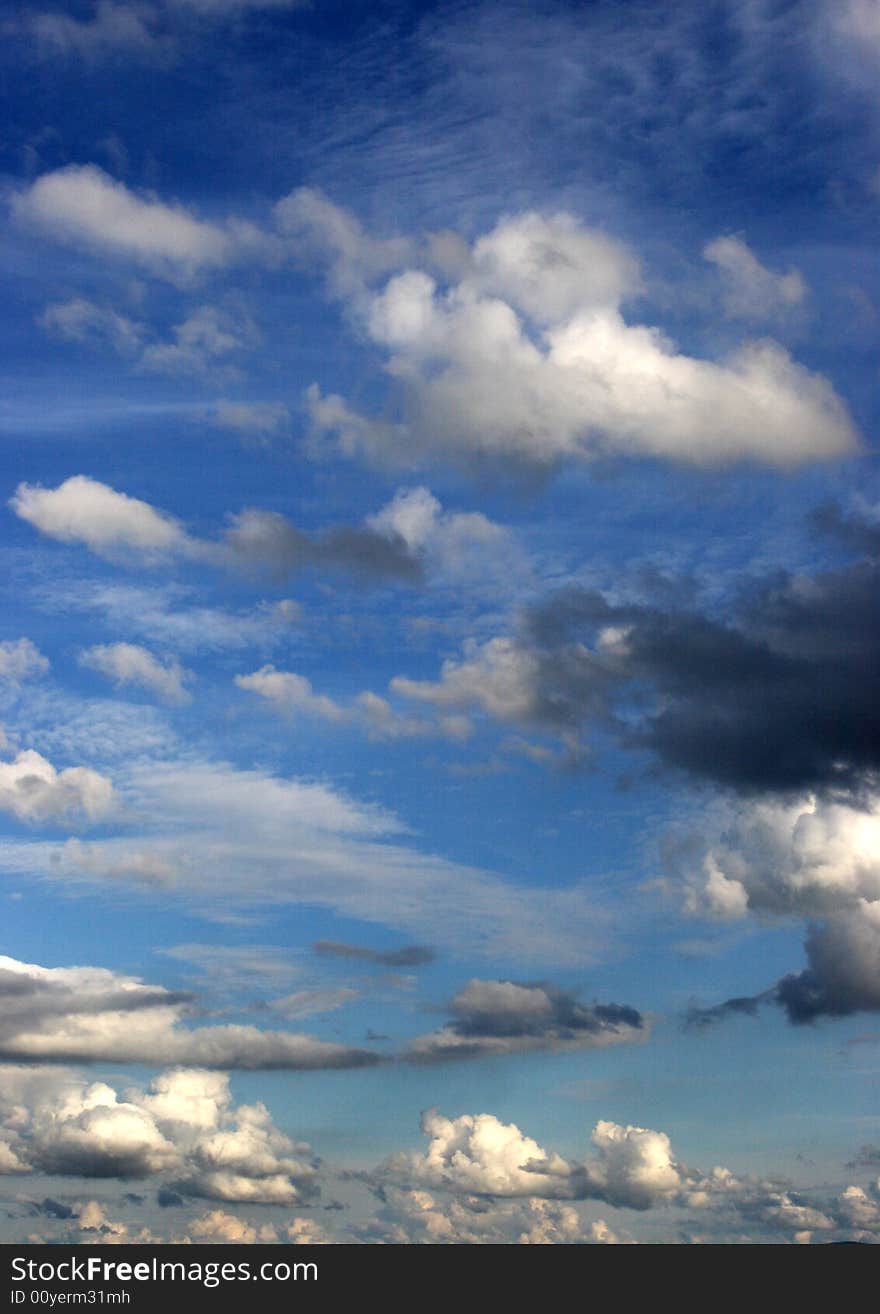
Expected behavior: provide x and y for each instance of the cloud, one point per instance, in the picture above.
(219, 1228)
(256, 420)
(129, 29)
(293, 695)
(165, 615)
(411, 955)
(79, 320)
(528, 359)
(419, 1217)
(20, 659)
(780, 692)
(32, 790)
(749, 290)
(87, 1014)
(127, 663)
(84, 206)
(184, 1128)
(502, 1017)
(201, 343)
(82, 510)
(816, 858)
(308, 1003)
(406, 540)
(236, 839)
(479, 1155)
(314, 225)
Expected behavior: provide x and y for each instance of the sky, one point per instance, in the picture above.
(440, 649)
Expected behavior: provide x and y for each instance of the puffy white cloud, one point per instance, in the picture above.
(184, 1127)
(810, 855)
(633, 1168)
(32, 790)
(528, 358)
(219, 1228)
(71, 1014)
(750, 291)
(127, 663)
(82, 510)
(84, 205)
(478, 1154)
(291, 692)
(20, 659)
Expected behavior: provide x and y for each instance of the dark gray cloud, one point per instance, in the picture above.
(842, 976)
(411, 955)
(266, 540)
(504, 1017)
(783, 694)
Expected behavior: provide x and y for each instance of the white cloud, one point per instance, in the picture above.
(82, 510)
(808, 856)
(32, 790)
(79, 320)
(477, 1154)
(84, 205)
(252, 419)
(184, 1127)
(500, 677)
(528, 358)
(200, 343)
(127, 663)
(20, 659)
(633, 1168)
(750, 291)
(293, 695)
(237, 838)
(87, 1014)
(113, 28)
(314, 225)
(219, 1228)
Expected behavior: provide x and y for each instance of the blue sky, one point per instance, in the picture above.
(438, 674)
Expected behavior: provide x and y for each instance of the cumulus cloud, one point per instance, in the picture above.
(527, 358)
(184, 1127)
(34, 791)
(88, 1014)
(502, 1017)
(82, 510)
(814, 857)
(20, 659)
(479, 1155)
(750, 291)
(127, 663)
